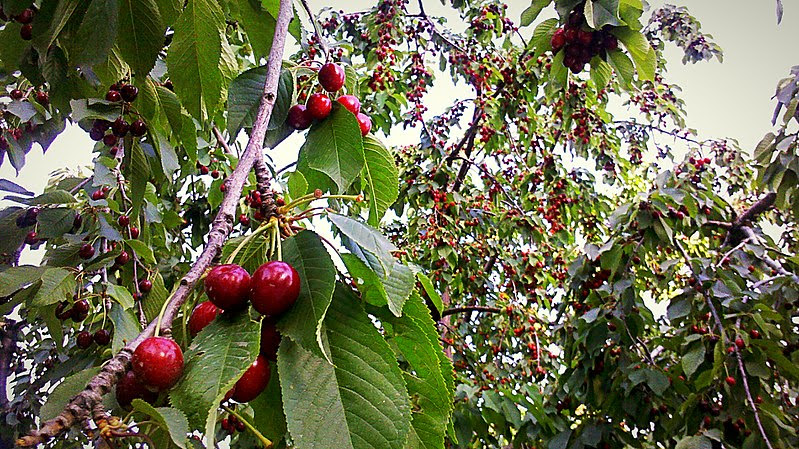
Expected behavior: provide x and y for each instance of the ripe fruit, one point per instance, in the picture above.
(253, 382)
(145, 285)
(134, 232)
(81, 306)
(113, 96)
(32, 238)
(558, 40)
(130, 388)
(202, 315)
(270, 340)
(17, 94)
(86, 251)
(26, 32)
(365, 123)
(215, 174)
(740, 343)
(122, 258)
(158, 362)
(129, 92)
(331, 77)
(84, 339)
(350, 103)
(227, 286)
(730, 381)
(275, 288)
(96, 134)
(102, 337)
(25, 17)
(120, 127)
(109, 140)
(123, 221)
(138, 128)
(43, 98)
(754, 333)
(61, 311)
(319, 106)
(298, 117)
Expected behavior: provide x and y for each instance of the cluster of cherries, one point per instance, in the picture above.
(157, 363)
(256, 202)
(119, 128)
(25, 18)
(331, 77)
(581, 44)
(231, 424)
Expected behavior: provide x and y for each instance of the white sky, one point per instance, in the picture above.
(732, 99)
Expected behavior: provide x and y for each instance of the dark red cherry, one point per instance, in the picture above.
(25, 17)
(130, 388)
(138, 128)
(253, 382)
(86, 251)
(83, 339)
(80, 306)
(113, 96)
(26, 32)
(158, 362)
(365, 123)
(275, 288)
(558, 40)
(331, 77)
(350, 103)
(134, 232)
(110, 140)
(227, 286)
(298, 117)
(32, 238)
(319, 106)
(17, 94)
(120, 127)
(123, 221)
(201, 316)
(102, 337)
(145, 285)
(96, 134)
(270, 339)
(122, 258)
(129, 92)
(62, 312)
(43, 98)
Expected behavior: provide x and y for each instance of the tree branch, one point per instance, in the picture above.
(455, 310)
(82, 406)
(8, 344)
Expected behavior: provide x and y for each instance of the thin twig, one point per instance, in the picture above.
(485, 309)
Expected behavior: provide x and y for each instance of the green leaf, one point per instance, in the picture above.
(657, 381)
(244, 98)
(542, 35)
(121, 295)
(694, 442)
(153, 301)
(57, 285)
(601, 73)
(642, 53)
(367, 238)
(692, 359)
(622, 66)
(335, 147)
(303, 322)
(141, 249)
(141, 34)
(138, 173)
(193, 58)
(55, 222)
(216, 359)
(369, 283)
(599, 13)
(126, 327)
(268, 410)
(54, 16)
(170, 419)
(65, 391)
(427, 285)
(16, 278)
(561, 440)
(381, 178)
(531, 13)
(259, 25)
(297, 185)
(96, 34)
(359, 401)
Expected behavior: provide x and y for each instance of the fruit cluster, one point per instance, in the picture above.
(331, 78)
(119, 128)
(580, 43)
(231, 424)
(25, 18)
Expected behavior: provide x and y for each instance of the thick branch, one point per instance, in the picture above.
(8, 344)
(81, 406)
(756, 209)
(455, 310)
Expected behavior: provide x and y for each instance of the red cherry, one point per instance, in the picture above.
(84, 339)
(130, 388)
(253, 382)
(227, 286)
(61, 311)
(754, 333)
(102, 337)
(201, 316)
(122, 259)
(145, 285)
(204, 170)
(611, 43)
(275, 288)
(26, 32)
(730, 381)
(25, 17)
(365, 123)
(350, 103)
(134, 232)
(86, 251)
(17, 94)
(331, 77)
(32, 238)
(113, 96)
(96, 134)
(298, 117)
(740, 343)
(43, 98)
(120, 127)
(270, 340)
(319, 106)
(123, 221)
(138, 128)
(215, 174)
(585, 37)
(158, 362)
(129, 92)
(558, 40)
(110, 140)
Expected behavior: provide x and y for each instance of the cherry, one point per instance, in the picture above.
(17, 94)
(101, 124)
(270, 340)
(25, 17)
(129, 92)
(86, 251)
(32, 238)
(319, 106)
(61, 311)
(201, 316)
(298, 117)
(244, 220)
(253, 382)
(331, 77)
(158, 362)
(130, 388)
(26, 32)
(558, 40)
(123, 221)
(611, 43)
(138, 128)
(740, 343)
(120, 127)
(215, 174)
(122, 258)
(227, 286)
(98, 195)
(134, 232)
(350, 103)
(754, 333)
(110, 140)
(585, 37)
(77, 222)
(365, 123)
(102, 337)
(113, 96)
(81, 306)
(43, 98)
(96, 134)
(730, 381)
(84, 339)
(145, 285)
(275, 288)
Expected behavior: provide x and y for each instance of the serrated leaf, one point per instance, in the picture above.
(531, 13)
(268, 410)
(141, 249)
(57, 284)
(215, 360)
(297, 185)
(381, 178)
(427, 285)
(126, 327)
(16, 278)
(24, 110)
(642, 53)
(141, 34)
(358, 402)
(193, 57)
(622, 66)
(55, 222)
(542, 36)
(366, 237)
(153, 301)
(303, 322)
(170, 419)
(244, 98)
(138, 173)
(259, 25)
(335, 147)
(694, 442)
(65, 391)
(599, 13)
(96, 33)
(692, 359)
(601, 73)
(50, 20)
(121, 295)
(12, 187)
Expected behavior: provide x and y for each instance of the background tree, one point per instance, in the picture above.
(553, 275)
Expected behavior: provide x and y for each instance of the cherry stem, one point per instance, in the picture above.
(260, 230)
(264, 440)
(305, 199)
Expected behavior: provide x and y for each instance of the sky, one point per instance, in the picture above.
(730, 99)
